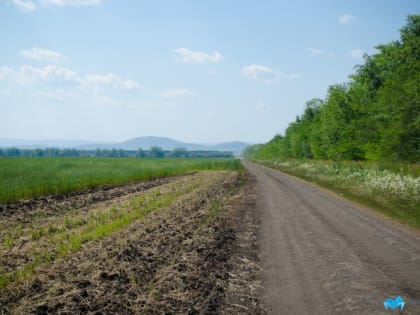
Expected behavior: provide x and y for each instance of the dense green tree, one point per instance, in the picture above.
(179, 152)
(156, 152)
(140, 153)
(12, 152)
(374, 116)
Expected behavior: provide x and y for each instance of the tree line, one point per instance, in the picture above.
(373, 116)
(154, 152)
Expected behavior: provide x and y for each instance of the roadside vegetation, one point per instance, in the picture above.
(25, 178)
(363, 139)
(394, 189)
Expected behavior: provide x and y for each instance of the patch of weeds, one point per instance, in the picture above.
(134, 281)
(69, 223)
(5, 279)
(213, 213)
(37, 233)
(9, 241)
(52, 228)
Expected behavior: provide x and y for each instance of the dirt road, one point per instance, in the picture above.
(323, 255)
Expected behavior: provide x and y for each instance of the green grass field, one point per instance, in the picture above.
(24, 178)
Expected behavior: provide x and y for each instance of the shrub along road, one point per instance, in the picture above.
(324, 255)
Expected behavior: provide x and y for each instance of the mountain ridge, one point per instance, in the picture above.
(145, 142)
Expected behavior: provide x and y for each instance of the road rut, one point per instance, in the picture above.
(321, 254)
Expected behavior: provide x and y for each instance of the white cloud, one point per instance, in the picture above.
(50, 72)
(26, 5)
(55, 95)
(5, 72)
(28, 74)
(41, 54)
(189, 56)
(178, 92)
(320, 52)
(30, 5)
(129, 85)
(346, 19)
(259, 72)
(316, 51)
(111, 80)
(72, 3)
(356, 53)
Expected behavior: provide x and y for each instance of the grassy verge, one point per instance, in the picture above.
(24, 178)
(393, 189)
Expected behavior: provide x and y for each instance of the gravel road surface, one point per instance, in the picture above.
(321, 254)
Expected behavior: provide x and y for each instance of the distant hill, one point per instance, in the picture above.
(166, 144)
(132, 144)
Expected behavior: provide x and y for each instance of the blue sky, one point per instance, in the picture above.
(200, 71)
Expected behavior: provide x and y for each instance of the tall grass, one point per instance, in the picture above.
(24, 178)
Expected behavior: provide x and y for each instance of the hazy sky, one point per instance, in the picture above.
(195, 70)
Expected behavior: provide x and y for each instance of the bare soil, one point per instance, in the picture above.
(196, 256)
